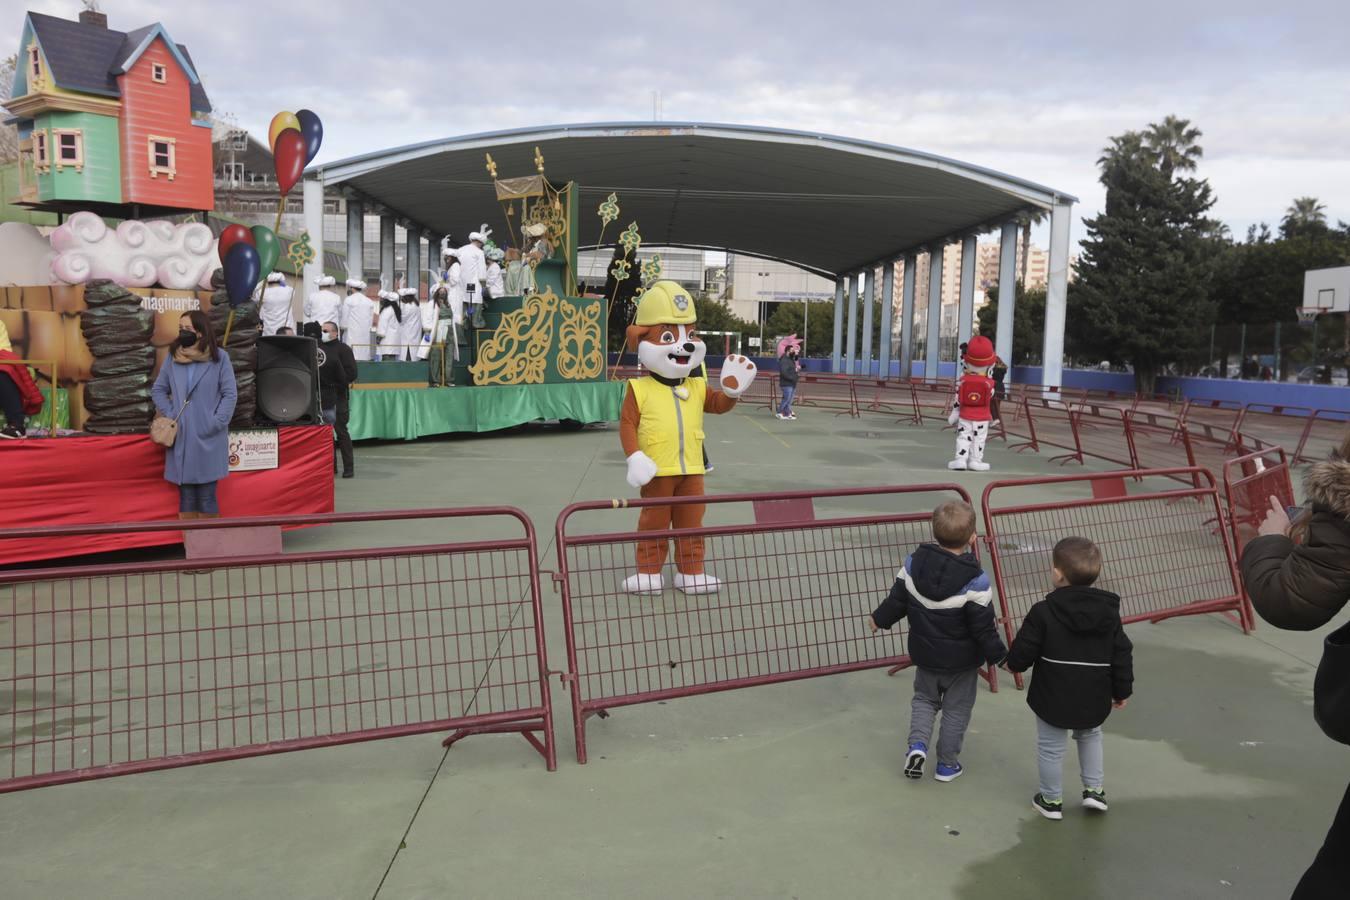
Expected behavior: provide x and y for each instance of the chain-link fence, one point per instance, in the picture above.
(1312, 353)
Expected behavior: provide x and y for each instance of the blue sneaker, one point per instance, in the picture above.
(948, 773)
(914, 761)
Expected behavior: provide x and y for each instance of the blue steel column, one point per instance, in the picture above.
(1056, 296)
(356, 238)
(1007, 294)
(851, 345)
(838, 357)
(414, 258)
(932, 352)
(887, 316)
(965, 309)
(869, 294)
(907, 288)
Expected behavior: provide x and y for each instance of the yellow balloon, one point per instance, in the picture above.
(280, 122)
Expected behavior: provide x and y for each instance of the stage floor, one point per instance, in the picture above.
(408, 413)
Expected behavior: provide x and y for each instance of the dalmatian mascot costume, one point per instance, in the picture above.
(970, 413)
(661, 429)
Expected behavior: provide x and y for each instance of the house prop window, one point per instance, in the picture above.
(35, 63)
(41, 159)
(163, 157)
(69, 149)
(159, 73)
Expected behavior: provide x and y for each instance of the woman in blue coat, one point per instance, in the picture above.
(199, 375)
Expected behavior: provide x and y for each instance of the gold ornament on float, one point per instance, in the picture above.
(580, 342)
(517, 352)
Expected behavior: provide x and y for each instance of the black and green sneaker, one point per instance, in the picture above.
(1094, 799)
(1051, 809)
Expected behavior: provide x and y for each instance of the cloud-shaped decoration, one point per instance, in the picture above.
(135, 254)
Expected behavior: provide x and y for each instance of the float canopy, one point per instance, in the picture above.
(831, 205)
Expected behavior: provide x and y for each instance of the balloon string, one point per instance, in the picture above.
(229, 323)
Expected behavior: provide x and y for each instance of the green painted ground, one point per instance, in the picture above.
(1221, 784)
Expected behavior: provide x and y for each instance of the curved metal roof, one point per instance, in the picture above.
(826, 203)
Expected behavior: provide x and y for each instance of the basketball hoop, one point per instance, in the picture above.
(1307, 315)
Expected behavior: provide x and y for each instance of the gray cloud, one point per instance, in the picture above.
(1033, 88)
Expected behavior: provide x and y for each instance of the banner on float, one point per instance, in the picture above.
(254, 449)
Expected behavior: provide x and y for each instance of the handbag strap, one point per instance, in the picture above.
(187, 399)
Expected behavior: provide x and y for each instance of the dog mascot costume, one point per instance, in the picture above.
(661, 429)
(971, 413)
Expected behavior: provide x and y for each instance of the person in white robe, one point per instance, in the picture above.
(473, 269)
(275, 306)
(389, 330)
(495, 283)
(321, 306)
(358, 320)
(410, 328)
(453, 283)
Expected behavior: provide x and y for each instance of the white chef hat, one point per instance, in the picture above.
(450, 252)
(276, 278)
(325, 281)
(356, 284)
(388, 295)
(408, 292)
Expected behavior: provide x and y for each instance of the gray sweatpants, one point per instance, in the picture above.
(1052, 742)
(952, 693)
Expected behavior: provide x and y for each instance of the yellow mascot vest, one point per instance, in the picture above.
(671, 426)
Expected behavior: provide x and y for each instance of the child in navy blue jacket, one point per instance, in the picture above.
(952, 631)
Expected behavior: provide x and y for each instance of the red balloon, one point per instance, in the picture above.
(233, 235)
(289, 158)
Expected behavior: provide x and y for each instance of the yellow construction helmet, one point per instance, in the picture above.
(666, 303)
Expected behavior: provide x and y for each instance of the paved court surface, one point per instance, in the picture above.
(1221, 784)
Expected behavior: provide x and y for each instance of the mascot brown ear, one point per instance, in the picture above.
(633, 336)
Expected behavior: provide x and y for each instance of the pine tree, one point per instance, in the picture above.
(1143, 291)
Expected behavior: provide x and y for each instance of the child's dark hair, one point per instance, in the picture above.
(1078, 560)
(954, 524)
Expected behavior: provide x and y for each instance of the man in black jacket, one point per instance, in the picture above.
(1084, 667)
(949, 602)
(787, 382)
(337, 373)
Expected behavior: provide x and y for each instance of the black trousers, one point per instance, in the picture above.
(11, 402)
(1328, 876)
(342, 438)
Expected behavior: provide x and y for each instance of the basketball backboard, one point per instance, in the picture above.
(1328, 289)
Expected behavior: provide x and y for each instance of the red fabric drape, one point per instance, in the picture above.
(120, 478)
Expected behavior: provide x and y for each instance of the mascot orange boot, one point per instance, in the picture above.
(661, 428)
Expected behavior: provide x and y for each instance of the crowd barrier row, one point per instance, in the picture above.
(110, 669)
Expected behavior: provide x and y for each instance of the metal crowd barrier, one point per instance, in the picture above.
(110, 669)
(796, 586)
(1249, 483)
(1160, 551)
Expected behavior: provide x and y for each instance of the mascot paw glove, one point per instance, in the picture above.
(955, 416)
(641, 469)
(738, 373)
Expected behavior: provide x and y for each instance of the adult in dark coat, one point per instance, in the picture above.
(196, 386)
(337, 373)
(1298, 577)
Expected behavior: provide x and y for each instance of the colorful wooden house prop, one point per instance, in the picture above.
(115, 123)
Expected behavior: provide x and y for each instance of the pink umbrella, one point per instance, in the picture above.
(784, 344)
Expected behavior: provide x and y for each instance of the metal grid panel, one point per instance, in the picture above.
(1322, 433)
(825, 392)
(794, 594)
(116, 669)
(1162, 552)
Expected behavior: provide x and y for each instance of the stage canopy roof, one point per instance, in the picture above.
(829, 204)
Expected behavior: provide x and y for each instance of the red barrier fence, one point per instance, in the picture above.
(1249, 483)
(834, 392)
(796, 586)
(1161, 553)
(1322, 433)
(113, 669)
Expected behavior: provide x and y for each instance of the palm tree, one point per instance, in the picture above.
(1123, 146)
(1304, 214)
(1173, 145)
(1028, 219)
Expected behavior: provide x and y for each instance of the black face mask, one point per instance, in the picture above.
(187, 338)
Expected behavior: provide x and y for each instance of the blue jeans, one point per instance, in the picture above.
(198, 498)
(785, 408)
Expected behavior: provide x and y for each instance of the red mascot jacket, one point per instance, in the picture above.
(28, 391)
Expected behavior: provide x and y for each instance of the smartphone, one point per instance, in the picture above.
(1293, 512)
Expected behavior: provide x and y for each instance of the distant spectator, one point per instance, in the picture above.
(19, 395)
(337, 373)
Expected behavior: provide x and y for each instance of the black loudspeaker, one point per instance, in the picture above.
(288, 380)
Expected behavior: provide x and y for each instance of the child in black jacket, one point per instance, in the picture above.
(1084, 667)
(949, 602)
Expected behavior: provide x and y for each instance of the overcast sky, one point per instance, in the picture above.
(1030, 88)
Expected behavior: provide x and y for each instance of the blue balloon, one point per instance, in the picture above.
(242, 268)
(311, 129)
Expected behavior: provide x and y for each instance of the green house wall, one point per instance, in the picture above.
(100, 179)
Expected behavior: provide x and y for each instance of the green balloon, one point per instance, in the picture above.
(269, 249)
